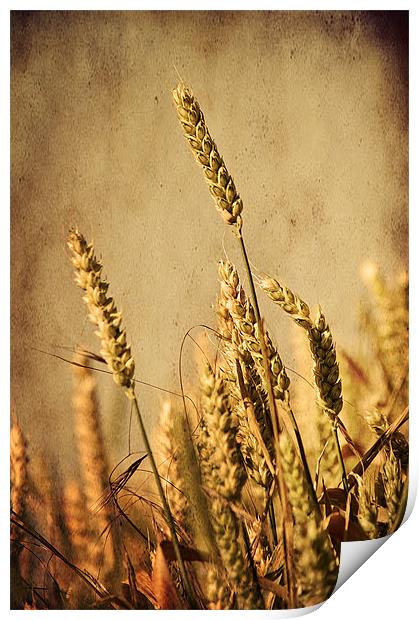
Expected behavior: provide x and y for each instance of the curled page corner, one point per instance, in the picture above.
(354, 554)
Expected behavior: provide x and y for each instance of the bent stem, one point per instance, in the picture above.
(166, 509)
(304, 462)
(340, 457)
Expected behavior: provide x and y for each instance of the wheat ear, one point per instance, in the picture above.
(323, 350)
(168, 449)
(221, 185)
(326, 368)
(230, 206)
(367, 507)
(227, 477)
(94, 464)
(228, 473)
(245, 320)
(234, 350)
(77, 525)
(315, 560)
(18, 471)
(391, 317)
(117, 354)
(393, 489)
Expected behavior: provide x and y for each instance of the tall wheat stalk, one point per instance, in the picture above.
(104, 314)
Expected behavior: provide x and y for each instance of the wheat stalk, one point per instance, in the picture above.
(117, 353)
(329, 464)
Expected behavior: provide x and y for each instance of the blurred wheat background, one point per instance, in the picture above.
(309, 110)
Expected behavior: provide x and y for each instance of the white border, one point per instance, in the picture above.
(386, 586)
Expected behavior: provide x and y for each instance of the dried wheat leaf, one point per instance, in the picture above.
(167, 596)
(340, 531)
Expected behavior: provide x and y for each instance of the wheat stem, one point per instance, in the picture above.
(340, 457)
(166, 509)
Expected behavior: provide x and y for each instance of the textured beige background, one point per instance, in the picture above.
(310, 113)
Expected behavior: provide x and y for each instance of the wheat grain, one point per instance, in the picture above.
(221, 184)
(376, 420)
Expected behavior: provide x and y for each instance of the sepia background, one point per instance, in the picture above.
(309, 110)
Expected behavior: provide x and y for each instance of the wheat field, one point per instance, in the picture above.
(252, 478)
